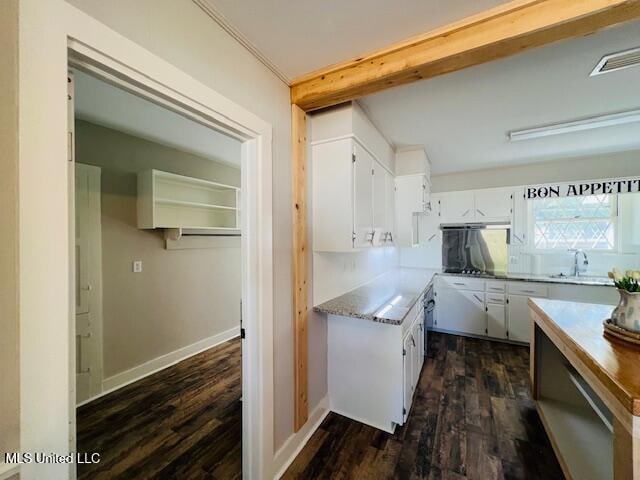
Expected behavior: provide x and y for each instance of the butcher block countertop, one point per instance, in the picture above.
(579, 328)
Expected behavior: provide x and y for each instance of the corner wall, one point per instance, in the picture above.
(9, 336)
(181, 296)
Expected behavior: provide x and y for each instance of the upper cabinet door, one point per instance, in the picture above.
(493, 205)
(362, 198)
(381, 233)
(457, 207)
(518, 218)
(390, 186)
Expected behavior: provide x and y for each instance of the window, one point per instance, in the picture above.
(587, 222)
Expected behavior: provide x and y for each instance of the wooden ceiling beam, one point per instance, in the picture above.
(502, 31)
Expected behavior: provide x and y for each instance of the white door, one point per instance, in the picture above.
(409, 206)
(390, 186)
(461, 311)
(418, 355)
(88, 261)
(407, 375)
(518, 321)
(457, 207)
(496, 320)
(363, 198)
(493, 205)
(379, 204)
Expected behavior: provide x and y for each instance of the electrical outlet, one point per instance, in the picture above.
(137, 266)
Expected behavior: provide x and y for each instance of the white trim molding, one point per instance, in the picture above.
(47, 306)
(296, 442)
(157, 364)
(208, 7)
(8, 470)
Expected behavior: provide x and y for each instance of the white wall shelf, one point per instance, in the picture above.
(192, 205)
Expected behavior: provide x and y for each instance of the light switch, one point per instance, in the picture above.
(137, 266)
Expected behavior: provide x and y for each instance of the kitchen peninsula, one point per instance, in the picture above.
(587, 390)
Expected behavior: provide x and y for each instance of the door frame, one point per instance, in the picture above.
(47, 316)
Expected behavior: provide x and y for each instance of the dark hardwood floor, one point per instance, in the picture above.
(472, 417)
(181, 423)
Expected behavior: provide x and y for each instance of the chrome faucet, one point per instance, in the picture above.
(579, 267)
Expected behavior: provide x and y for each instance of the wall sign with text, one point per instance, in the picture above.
(582, 188)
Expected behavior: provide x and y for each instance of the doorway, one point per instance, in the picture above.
(209, 109)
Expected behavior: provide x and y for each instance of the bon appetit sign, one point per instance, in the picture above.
(580, 189)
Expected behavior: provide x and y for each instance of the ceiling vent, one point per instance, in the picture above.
(617, 61)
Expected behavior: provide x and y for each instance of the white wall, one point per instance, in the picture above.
(181, 296)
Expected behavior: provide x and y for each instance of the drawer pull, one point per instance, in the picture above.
(459, 283)
(529, 291)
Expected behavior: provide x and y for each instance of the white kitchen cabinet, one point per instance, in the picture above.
(383, 206)
(461, 311)
(496, 320)
(390, 203)
(363, 197)
(457, 207)
(519, 327)
(518, 218)
(493, 205)
(409, 205)
(374, 368)
(350, 197)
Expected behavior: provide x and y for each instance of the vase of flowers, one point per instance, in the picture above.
(627, 313)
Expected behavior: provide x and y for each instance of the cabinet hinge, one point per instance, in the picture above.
(511, 196)
(404, 411)
(507, 300)
(404, 352)
(373, 172)
(486, 309)
(353, 157)
(242, 333)
(507, 333)
(486, 331)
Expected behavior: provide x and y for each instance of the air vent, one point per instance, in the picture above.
(617, 61)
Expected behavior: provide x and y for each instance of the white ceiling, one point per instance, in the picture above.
(101, 103)
(463, 118)
(302, 36)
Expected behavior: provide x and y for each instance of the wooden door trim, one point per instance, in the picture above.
(300, 274)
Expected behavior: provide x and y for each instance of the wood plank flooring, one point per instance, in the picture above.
(472, 417)
(183, 422)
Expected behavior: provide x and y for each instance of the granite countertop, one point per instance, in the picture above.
(530, 277)
(387, 299)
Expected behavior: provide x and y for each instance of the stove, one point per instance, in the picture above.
(468, 271)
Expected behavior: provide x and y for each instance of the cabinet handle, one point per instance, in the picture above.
(391, 237)
(478, 298)
(480, 212)
(459, 283)
(465, 213)
(431, 237)
(413, 340)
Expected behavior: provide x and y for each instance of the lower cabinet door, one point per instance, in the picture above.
(461, 311)
(407, 375)
(518, 321)
(496, 320)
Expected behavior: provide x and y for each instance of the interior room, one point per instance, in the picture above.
(158, 288)
(320, 240)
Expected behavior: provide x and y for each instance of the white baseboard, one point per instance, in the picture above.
(296, 442)
(8, 470)
(134, 374)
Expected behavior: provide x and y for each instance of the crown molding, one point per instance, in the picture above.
(208, 7)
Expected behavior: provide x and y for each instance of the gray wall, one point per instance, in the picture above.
(181, 296)
(9, 336)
